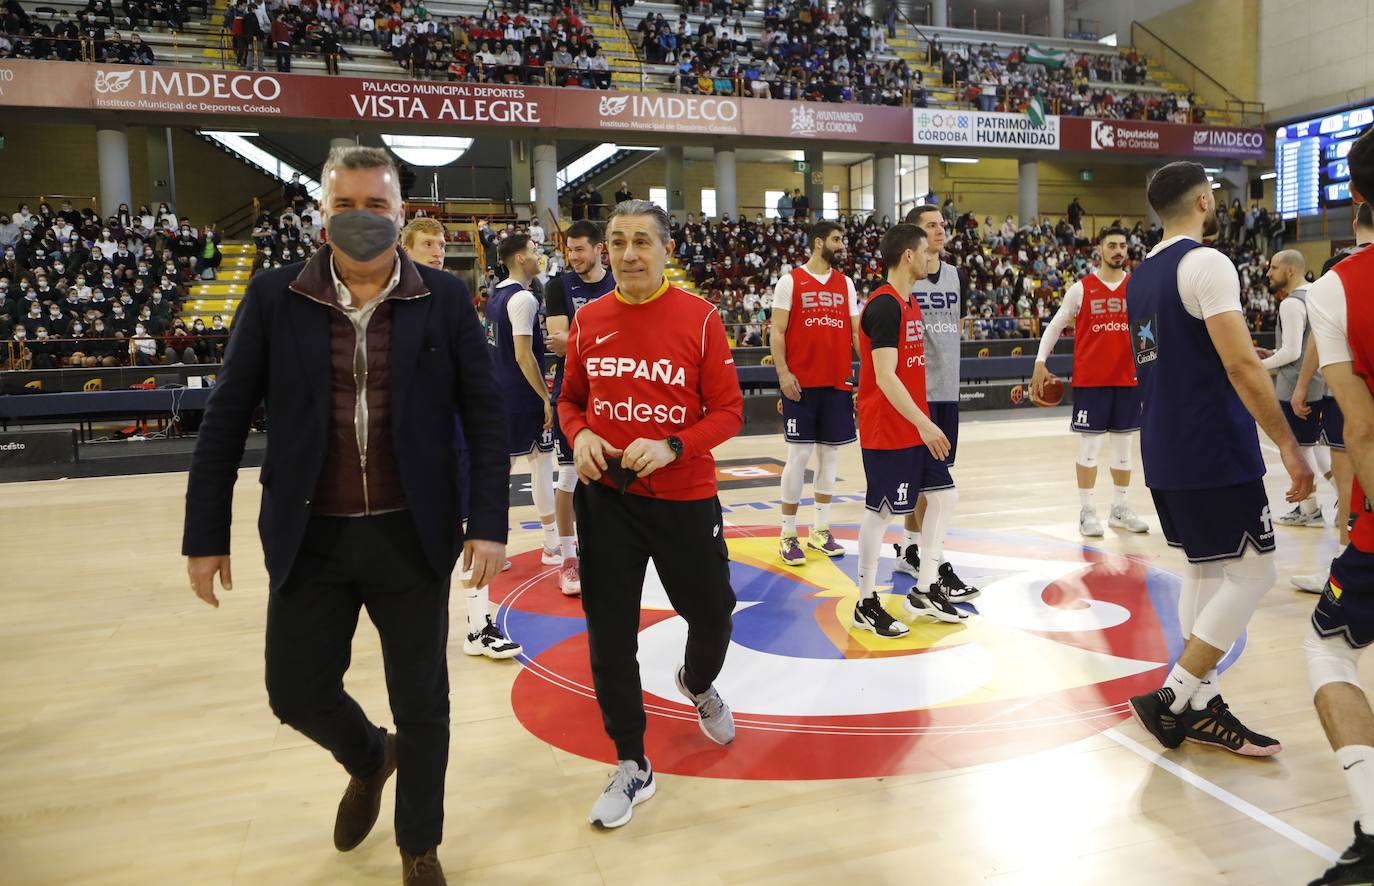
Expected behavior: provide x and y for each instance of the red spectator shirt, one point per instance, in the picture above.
(656, 369)
(881, 426)
(1354, 272)
(1102, 355)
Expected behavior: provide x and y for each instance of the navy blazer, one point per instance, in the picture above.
(279, 351)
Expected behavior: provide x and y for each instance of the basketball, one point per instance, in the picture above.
(1052, 394)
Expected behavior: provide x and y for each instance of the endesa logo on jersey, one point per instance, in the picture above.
(1061, 638)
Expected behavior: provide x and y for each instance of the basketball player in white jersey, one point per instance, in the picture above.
(1339, 470)
(941, 296)
(423, 240)
(1105, 399)
(814, 337)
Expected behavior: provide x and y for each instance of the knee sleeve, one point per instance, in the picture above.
(828, 460)
(541, 482)
(940, 505)
(794, 472)
(1322, 455)
(1121, 452)
(567, 478)
(1330, 660)
(1089, 445)
(1201, 581)
(1220, 622)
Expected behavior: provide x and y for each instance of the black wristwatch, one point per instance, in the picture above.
(675, 444)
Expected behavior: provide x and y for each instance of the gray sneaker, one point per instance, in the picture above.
(1123, 517)
(717, 723)
(629, 787)
(1296, 517)
(1088, 524)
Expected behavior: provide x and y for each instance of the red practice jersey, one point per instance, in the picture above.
(1102, 355)
(656, 369)
(820, 338)
(1355, 273)
(881, 426)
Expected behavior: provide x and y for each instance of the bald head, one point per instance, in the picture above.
(1286, 270)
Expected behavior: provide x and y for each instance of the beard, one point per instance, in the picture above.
(832, 256)
(1116, 263)
(1210, 228)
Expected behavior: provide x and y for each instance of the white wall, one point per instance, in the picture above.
(1117, 15)
(1314, 54)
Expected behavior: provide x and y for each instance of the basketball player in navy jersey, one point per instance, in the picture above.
(564, 295)
(941, 295)
(1340, 307)
(1202, 389)
(517, 336)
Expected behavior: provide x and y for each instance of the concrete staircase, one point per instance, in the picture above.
(621, 55)
(222, 295)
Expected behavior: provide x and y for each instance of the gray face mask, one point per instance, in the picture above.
(361, 235)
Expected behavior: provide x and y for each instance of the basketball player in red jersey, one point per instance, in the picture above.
(898, 437)
(1105, 399)
(815, 334)
(1340, 308)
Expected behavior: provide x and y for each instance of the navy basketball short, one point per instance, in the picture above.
(527, 432)
(1346, 608)
(1333, 423)
(822, 415)
(1101, 409)
(1307, 430)
(894, 477)
(937, 476)
(1216, 524)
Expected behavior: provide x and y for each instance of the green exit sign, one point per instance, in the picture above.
(1085, 174)
(801, 166)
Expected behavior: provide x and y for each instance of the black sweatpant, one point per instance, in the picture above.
(619, 534)
(344, 564)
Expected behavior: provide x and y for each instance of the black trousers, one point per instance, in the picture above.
(619, 534)
(345, 564)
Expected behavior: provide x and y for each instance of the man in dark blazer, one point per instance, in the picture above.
(363, 358)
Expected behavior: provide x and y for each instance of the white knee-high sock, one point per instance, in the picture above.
(479, 607)
(871, 532)
(1309, 505)
(940, 506)
(794, 481)
(1357, 761)
(827, 463)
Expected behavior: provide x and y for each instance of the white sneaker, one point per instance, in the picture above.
(570, 578)
(1296, 517)
(1088, 524)
(552, 557)
(1312, 584)
(1122, 517)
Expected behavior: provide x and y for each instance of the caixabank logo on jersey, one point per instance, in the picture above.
(1061, 639)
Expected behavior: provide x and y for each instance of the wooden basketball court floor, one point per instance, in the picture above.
(138, 747)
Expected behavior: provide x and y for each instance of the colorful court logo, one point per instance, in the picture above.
(1063, 636)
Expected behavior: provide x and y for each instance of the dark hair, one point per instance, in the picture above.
(585, 229)
(914, 216)
(1172, 183)
(821, 230)
(897, 240)
(1361, 160)
(1364, 215)
(1113, 231)
(512, 246)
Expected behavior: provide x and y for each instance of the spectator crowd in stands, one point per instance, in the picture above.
(78, 290)
(88, 36)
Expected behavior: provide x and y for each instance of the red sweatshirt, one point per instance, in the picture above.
(654, 370)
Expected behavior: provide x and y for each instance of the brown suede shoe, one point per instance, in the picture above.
(422, 870)
(361, 802)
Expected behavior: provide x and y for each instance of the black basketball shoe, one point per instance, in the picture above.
(934, 604)
(953, 587)
(1355, 866)
(870, 615)
(1152, 712)
(1217, 726)
(908, 563)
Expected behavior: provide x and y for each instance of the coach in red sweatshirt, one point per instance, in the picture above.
(650, 387)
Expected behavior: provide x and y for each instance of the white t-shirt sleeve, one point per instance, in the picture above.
(1208, 283)
(523, 310)
(1292, 317)
(1326, 312)
(782, 293)
(853, 297)
(1068, 309)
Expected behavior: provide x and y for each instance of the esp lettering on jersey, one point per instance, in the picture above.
(1102, 353)
(819, 333)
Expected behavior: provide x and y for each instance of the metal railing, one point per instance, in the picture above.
(1217, 94)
